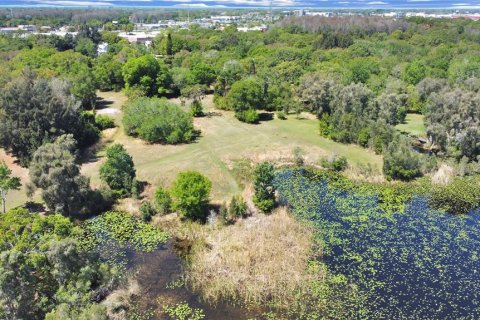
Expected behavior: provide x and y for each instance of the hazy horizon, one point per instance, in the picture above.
(239, 4)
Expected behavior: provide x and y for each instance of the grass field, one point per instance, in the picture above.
(413, 125)
(223, 140)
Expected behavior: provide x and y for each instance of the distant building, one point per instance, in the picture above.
(225, 19)
(8, 30)
(300, 13)
(102, 48)
(139, 37)
(257, 28)
(27, 27)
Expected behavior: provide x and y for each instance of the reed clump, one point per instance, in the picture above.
(258, 261)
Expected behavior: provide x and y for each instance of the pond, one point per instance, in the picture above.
(159, 274)
(416, 264)
(143, 252)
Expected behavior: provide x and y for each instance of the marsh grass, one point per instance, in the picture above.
(256, 262)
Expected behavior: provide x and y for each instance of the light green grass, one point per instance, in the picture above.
(223, 140)
(414, 124)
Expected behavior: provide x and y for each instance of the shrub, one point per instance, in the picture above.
(190, 192)
(335, 163)
(298, 157)
(324, 125)
(264, 197)
(147, 211)
(281, 115)
(248, 116)
(237, 208)
(157, 120)
(400, 161)
(220, 102)
(118, 171)
(104, 122)
(163, 201)
(196, 108)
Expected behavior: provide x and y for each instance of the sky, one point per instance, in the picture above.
(356, 4)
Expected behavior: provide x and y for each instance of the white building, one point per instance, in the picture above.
(102, 48)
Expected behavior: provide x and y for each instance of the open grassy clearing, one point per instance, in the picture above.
(414, 124)
(223, 140)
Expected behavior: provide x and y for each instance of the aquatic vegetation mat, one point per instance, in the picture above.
(117, 235)
(414, 263)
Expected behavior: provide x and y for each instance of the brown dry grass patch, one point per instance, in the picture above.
(257, 261)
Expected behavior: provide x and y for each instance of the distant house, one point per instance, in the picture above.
(256, 28)
(27, 27)
(8, 30)
(102, 48)
(139, 37)
(45, 29)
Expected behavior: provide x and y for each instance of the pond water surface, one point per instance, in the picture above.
(415, 264)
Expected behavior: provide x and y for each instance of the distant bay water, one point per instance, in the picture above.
(316, 4)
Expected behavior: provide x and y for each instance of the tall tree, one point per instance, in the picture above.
(7, 183)
(264, 197)
(118, 171)
(54, 169)
(34, 111)
(190, 193)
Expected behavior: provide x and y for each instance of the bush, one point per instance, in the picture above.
(157, 120)
(264, 197)
(190, 193)
(298, 157)
(237, 208)
(118, 171)
(163, 201)
(248, 116)
(281, 115)
(147, 211)
(335, 163)
(401, 162)
(196, 108)
(220, 102)
(104, 122)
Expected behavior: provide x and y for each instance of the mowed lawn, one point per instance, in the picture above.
(414, 124)
(223, 140)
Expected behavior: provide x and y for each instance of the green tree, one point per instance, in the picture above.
(246, 96)
(317, 93)
(264, 197)
(167, 45)
(86, 47)
(7, 183)
(34, 111)
(108, 73)
(414, 72)
(400, 161)
(163, 200)
(42, 264)
(392, 107)
(204, 73)
(54, 169)
(190, 193)
(118, 171)
(141, 74)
